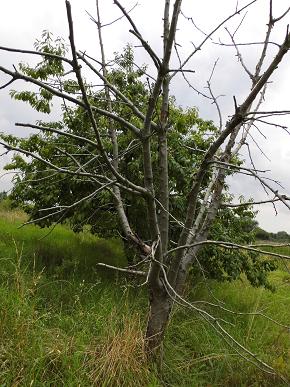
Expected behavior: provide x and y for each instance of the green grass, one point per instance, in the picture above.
(205, 359)
(63, 322)
(58, 249)
(284, 250)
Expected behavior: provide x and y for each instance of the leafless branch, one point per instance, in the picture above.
(214, 98)
(39, 53)
(136, 32)
(246, 204)
(246, 44)
(101, 25)
(227, 245)
(128, 271)
(239, 55)
(215, 323)
(208, 36)
(62, 133)
(88, 108)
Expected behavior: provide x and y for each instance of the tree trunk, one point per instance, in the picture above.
(159, 312)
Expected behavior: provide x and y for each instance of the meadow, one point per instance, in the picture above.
(66, 322)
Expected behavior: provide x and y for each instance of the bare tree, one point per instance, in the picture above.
(166, 266)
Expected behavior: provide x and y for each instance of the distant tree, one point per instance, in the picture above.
(282, 236)
(3, 195)
(262, 234)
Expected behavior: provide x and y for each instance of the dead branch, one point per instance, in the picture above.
(228, 245)
(128, 271)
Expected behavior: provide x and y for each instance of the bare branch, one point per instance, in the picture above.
(215, 99)
(245, 44)
(100, 25)
(227, 245)
(246, 204)
(39, 53)
(215, 323)
(128, 271)
(239, 55)
(274, 20)
(55, 167)
(60, 132)
(88, 108)
(136, 32)
(236, 120)
(208, 36)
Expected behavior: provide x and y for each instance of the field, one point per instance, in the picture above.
(63, 322)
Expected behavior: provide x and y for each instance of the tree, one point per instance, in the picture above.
(3, 195)
(104, 128)
(31, 188)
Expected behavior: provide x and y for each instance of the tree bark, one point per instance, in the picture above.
(160, 305)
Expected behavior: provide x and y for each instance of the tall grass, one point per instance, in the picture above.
(63, 322)
(201, 358)
(68, 332)
(60, 250)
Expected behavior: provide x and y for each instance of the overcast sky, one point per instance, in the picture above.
(23, 21)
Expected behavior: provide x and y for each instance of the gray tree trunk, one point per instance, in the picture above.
(160, 305)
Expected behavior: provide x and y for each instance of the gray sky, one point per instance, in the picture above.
(23, 21)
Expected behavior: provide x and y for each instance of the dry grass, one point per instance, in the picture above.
(13, 216)
(120, 359)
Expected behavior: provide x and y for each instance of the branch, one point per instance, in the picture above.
(274, 20)
(119, 205)
(89, 109)
(245, 44)
(198, 48)
(214, 98)
(45, 54)
(100, 25)
(226, 245)
(266, 43)
(231, 126)
(215, 324)
(117, 93)
(137, 272)
(7, 83)
(53, 130)
(56, 168)
(61, 209)
(136, 32)
(270, 112)
(16, 75)
(233, 205)
(240, 57)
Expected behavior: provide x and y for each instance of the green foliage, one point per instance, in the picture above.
(47, 68)
(40, 103)
(238, 226)
(60, 252)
